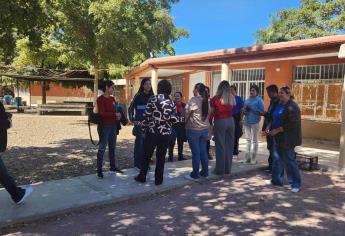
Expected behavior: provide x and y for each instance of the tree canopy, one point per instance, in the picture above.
(314, 18)
(116, 32)
(18, 19)
(104, 36)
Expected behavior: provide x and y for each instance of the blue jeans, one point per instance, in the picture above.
(197, 140)
(284, 159)
(288, 157)
(108, 137)
(277, 166)
(138, 146)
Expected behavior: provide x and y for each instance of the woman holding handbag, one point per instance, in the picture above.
(108, 129)
(18, 194)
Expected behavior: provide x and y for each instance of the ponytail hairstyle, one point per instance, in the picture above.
(223, 92)
(201, 88)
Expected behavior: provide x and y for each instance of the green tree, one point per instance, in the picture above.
(45, 56)
(50, 55)
(314, 18)
(18, 19)
(116, 33)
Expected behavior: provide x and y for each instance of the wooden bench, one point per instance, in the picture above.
(45, 109)
(307, 162)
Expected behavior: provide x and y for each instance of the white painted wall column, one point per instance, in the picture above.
(342, 133)
(127, 86)
(225, 71)
(230, 76)
(154, 80)
(136, 84)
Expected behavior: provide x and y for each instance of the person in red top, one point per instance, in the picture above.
(224, 127)
(107, 109)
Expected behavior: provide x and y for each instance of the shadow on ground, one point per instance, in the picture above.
(67, 158)
(243, 205)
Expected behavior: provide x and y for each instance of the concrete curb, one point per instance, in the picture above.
(117, 200)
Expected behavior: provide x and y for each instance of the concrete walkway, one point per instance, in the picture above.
(61, 196)
(328, 154)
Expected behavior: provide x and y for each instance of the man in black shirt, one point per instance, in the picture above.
(272, 92)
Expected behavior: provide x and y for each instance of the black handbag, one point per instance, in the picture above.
(95, 118)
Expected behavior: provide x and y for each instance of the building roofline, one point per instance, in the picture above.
(227, 55)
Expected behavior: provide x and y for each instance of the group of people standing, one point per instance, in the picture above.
(159, 122)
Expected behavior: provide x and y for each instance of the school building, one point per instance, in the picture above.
(311, 67)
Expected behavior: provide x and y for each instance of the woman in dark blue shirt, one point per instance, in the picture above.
(286, 130)
(136, 115)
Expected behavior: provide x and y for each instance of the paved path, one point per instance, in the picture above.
(60, 196)
(328, 154)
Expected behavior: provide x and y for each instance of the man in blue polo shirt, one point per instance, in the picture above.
(237, 113)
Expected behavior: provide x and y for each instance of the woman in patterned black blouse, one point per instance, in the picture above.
(160, 114)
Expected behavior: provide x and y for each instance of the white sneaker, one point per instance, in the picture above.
(189, 177)
(28, 191)
(295, 190)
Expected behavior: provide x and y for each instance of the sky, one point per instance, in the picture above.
(221, 24)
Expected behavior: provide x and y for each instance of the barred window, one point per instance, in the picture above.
(330, 73)
(244, 78)
(176, 85)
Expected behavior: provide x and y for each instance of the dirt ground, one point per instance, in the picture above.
(42, 148)
(241, 205)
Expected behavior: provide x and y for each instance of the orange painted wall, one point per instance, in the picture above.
(285, 75)
(57, 90)
(60, 91)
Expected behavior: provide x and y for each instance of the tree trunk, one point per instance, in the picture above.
(95, 85)
(44, 92)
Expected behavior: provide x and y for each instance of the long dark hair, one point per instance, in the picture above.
(141, 89)
(201, 88)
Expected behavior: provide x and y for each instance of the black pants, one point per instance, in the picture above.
(10, 185)
(269, 140)
(178, 133)
(238, 133)
(151, 141)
